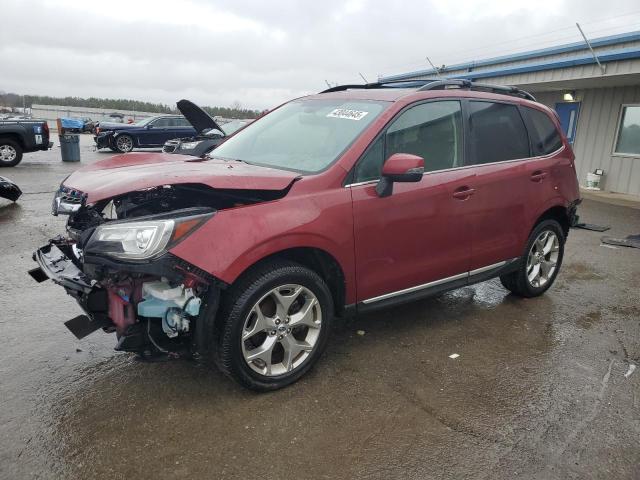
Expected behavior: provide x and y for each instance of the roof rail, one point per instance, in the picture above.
(390, 84)
(433, 84)
(485, 87)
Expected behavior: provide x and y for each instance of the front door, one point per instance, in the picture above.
(568, 113)
(420, 233)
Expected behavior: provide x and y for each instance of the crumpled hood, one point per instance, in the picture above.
(121, 174)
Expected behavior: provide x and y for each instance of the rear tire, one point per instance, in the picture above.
(274, 325)
(540, 262)
(10, 152)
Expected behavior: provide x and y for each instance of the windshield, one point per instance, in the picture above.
(232, 126)
(303, 135)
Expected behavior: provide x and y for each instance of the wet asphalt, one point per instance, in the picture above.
(538, 390)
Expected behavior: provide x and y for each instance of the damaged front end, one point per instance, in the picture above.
(115, 262)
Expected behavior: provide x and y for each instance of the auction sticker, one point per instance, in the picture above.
(348, 114)
(38, 139)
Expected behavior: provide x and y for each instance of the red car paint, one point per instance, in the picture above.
(451, 221)
(138, 171)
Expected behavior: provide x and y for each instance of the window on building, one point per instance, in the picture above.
(628, 141)
(497, 132)
(545, 138)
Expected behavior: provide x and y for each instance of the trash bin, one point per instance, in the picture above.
(593, 181)
(70, 147)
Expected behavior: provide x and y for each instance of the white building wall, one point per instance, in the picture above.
(595, 136)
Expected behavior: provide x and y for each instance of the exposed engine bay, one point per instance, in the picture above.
(115, 262)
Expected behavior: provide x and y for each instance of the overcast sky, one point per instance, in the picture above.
(261, 53)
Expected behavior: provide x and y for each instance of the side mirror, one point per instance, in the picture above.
(399, 167)
(149, 126)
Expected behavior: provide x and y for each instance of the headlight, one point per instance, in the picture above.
(142, 239)
(189, 145)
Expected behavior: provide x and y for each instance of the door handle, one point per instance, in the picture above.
(538, 176)
(463, 193)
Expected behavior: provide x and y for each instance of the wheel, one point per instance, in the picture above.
(276, 323)
(10, 153)
(124, 143)
(540, 262)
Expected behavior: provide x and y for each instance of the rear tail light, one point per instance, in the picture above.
(97, 130)
(45, 128)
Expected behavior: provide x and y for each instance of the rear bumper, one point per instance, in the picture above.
(573, 212)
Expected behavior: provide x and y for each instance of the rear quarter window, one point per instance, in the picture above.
(545, 138)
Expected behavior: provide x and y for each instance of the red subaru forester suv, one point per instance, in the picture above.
(360, 197)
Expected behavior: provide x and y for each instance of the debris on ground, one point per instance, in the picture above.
(9, 190)
(592, 226)
(361, 332)
(453, 356)
(632, 241)
(632, 367)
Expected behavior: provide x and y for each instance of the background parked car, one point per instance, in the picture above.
(147, 133)
(210, 133)
(19, 136)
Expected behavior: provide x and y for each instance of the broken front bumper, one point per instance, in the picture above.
(125, 298)
(55, 265)
(102, 141)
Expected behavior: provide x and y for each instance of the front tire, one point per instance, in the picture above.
(275, 325)
(540, 262)
(124, 143)
(10, 153)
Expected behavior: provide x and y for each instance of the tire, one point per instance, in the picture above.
(290, 346)
(124, 143)
(10, 152)
(524, 282)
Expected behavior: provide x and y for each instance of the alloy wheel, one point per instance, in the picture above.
(7, 153)
(543, 259)
(281, 330)
(124, 143)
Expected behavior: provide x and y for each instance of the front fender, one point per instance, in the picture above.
(235, 239)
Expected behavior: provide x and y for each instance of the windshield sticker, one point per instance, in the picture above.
(348, 114)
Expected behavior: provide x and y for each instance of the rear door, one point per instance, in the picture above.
(498, 150)
(548, 168)
(160, 129)
(181, 129)
(420, 233)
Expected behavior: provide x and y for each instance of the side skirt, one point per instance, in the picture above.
(439, 286)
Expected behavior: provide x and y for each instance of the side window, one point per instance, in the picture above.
(370, 165)
(497, 132)
(182, 122)
(545, 138)
(431, 130)
(162, 122)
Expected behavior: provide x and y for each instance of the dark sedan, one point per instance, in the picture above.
(147, 133)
